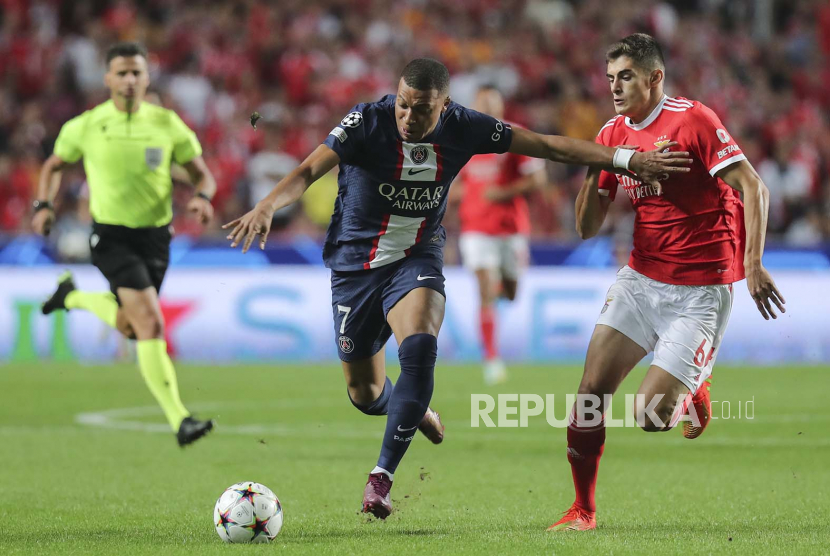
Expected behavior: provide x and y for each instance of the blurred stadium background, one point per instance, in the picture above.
(762, 65)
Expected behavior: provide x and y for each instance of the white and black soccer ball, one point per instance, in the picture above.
(353, 119)
(247, 512)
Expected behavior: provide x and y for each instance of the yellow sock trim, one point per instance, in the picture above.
(102, 304)
(160, 376)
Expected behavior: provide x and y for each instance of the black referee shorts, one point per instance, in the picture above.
(135, 258)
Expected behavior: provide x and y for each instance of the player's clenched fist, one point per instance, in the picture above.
(257, 222)
(200, 209)
(42, 221)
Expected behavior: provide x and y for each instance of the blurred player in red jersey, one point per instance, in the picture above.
(693, 238)
(495, 224)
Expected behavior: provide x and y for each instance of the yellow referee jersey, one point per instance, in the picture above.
(127, 161)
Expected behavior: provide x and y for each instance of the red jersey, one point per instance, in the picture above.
(692, 234)
(494, 170)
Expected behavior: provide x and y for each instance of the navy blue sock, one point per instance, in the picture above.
(380, 405)
(410, 398)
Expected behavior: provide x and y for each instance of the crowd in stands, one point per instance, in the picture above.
(762, 65)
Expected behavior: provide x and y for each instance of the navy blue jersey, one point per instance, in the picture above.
(392, 195)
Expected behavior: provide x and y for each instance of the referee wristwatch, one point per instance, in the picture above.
(39, 205)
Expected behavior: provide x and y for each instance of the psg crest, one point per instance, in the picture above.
(346, 344)
(419, 154)
(353, 119)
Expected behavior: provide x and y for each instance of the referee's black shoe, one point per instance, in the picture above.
(192, 430)
(58, 299)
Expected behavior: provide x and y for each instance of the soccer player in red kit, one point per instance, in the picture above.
(385, 244)
(495, 224)
(693, 238)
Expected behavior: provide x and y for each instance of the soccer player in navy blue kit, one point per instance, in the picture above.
(385, 243)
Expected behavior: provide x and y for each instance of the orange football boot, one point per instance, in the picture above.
(575, 519)
(703, 407)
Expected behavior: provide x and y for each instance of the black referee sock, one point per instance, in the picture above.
(410, 398)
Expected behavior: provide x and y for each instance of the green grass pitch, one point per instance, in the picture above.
(85, 473)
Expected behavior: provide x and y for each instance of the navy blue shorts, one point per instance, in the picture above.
(360, 301)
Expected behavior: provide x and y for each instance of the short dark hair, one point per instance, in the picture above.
(643, 50)
(425, 74)
(125, 49)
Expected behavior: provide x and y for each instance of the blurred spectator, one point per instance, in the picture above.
(318, 201)
(764, 67)
(808, 231)
(789, 184)
(267, 167)
(192, 91)
(72, 231)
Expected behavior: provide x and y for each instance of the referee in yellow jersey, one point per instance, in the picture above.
(128, 146)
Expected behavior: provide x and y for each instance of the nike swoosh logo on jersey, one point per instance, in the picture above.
(412, 171)
(426, 277)
(407, 430)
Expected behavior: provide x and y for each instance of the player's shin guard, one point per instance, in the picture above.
(585, 447)
(160, 376)
(381, 405)
(487, 318)
(101, 304)
(410, 397)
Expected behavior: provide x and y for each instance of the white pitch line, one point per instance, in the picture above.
(458, 431)
(123, 419)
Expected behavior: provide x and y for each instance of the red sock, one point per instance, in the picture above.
(488, 332)
(585, 446)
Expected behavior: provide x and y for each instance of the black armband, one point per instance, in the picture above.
(39, 205)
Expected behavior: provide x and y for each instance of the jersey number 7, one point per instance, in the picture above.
(346, 310)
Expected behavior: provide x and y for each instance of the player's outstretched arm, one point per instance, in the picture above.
(743, 177)
(649, 166)
(257, 222)
(48, 184)
(591, 208)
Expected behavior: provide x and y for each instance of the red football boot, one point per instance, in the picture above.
(575, 519)
(702, 404)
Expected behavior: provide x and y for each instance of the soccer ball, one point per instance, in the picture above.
(247, 512)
